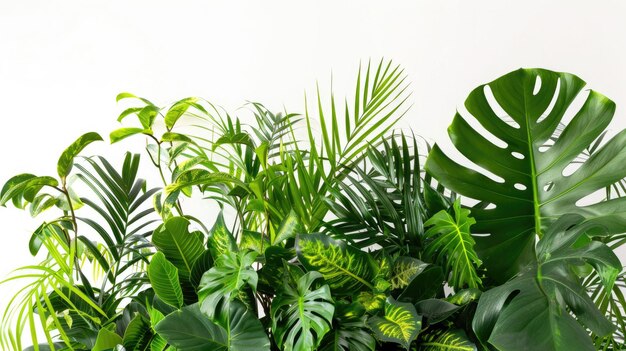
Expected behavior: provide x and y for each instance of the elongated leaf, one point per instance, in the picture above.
(523, 110)
(404, 270)
(164, 279)
(66, 161)
(533, 309)
(448, 340)
(220, 239)
(177, 110)
(289, 227)
(345, 269)
(452, 246)
(26, 189)
(302, 313)
(123, 133)
(399, 324)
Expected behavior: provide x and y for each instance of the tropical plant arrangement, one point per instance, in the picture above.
(331, 230)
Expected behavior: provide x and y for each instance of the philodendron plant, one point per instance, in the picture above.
(324, 231)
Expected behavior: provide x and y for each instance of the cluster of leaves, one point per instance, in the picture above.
(335, 239)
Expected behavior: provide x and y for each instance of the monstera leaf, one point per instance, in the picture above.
(525, 111)
(232, 271)
(452, 245)
(302, 313)
(179, 246)
(400, 323)
(345, 269)
(534, 310)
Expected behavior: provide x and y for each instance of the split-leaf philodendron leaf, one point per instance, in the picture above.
(534, 310)
(533, 145)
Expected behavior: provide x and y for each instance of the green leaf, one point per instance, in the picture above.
(446, 340)
(138, 334)
(534, 310)
(179, 246)
(220, 239)
(106, 340)
(302, 313)
(525, 110)
(164, 279)
(123, 133)
(345, 269)
(289, 227)
(404, 270)
(226, 279)
(349, 332)
(452, 246)
(237, 138)
(190, 329)
(425, 285)
(66, 161)
(435, 310)
(400, 323)
(177, 110)
(24, 187)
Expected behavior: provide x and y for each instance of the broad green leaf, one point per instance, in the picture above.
(237, 138)
(404, 270)
(138, 334)
(164, 279)
(302, 313)
(26, 189)
(452, 246)
(147, 115)
(66, 161)
(400, 323)
(289, 228)
(123, 133)
(179, 246)
(202, 178)
(220, 239)
(252, 240)
(435, 310)
(106, 340)
(533, 148)
(226, 279)
(345, 269)
(425, 285)
(189, 329)
(177, 110)
(349, 332)
(534, 310)
(446, 340)
(202, 264)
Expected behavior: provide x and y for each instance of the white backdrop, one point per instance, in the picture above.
(63, 62)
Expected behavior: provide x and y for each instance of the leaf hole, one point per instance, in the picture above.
(473, 122)
(537, 85)
(520, 186)
(571, 168)
(555, 97)
(593, 198)
(517, 155)
(498, 110)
